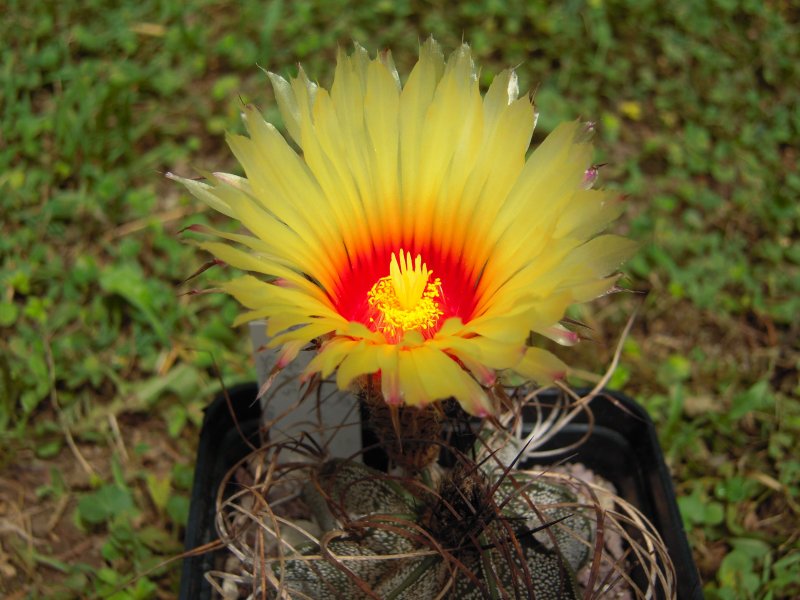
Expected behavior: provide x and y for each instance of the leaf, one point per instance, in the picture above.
(109, 576)
(738, 571)
(49, 449)
(713, 513)
(182, 379)
(107, 502)
(8, 313)
(697, 509)
(158, 540)
(757, 397)
(692, 509)
(736, 489)
(785, 570)
(620, 377)
(118, 473)
(159, 489)
(178, 509)
(144, 589)
(182, 476)
(754, 548)
(128, 282)
(676, 369)
(176, 417)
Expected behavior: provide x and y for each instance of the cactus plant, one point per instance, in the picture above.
(348, 257)
(516, 549)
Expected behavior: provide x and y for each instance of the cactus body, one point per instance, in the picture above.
(366, 510)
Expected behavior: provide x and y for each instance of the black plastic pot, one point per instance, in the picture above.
(623, 448)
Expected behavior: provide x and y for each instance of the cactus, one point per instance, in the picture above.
(552, 555)
(362, 513)
(343, 493)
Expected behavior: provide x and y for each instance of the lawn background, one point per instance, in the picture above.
(105, 364)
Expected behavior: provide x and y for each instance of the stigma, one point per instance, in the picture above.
(408, 299)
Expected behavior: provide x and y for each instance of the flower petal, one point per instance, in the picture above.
(541, 366)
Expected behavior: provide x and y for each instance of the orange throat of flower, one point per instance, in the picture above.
(405, 300)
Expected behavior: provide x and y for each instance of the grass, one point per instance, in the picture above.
(105, 367)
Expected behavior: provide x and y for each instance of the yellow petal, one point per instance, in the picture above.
(491, 352)
(242, 260)
(541, 366)
(389, 365)
(304, 333)
(204, 192)
(589, 212)
(415, 98)
(288, 353)
(485, 375)
(441, 377)
(381, 115)
(290, 113)
(360, 360)
(329, 357)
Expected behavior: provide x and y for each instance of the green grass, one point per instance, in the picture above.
(696, 105)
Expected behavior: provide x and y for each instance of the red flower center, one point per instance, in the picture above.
(389, 292)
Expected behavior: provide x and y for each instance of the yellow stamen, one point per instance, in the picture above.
(405, 300)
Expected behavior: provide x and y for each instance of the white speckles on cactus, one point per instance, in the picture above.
(496, 447)
(552, 555)
(546, 577)
(573, 536)
(356, 491)
(344, 492)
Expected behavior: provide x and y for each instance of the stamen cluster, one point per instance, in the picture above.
(406, 299)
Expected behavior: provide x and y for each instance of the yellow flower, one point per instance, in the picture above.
(411, 238)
